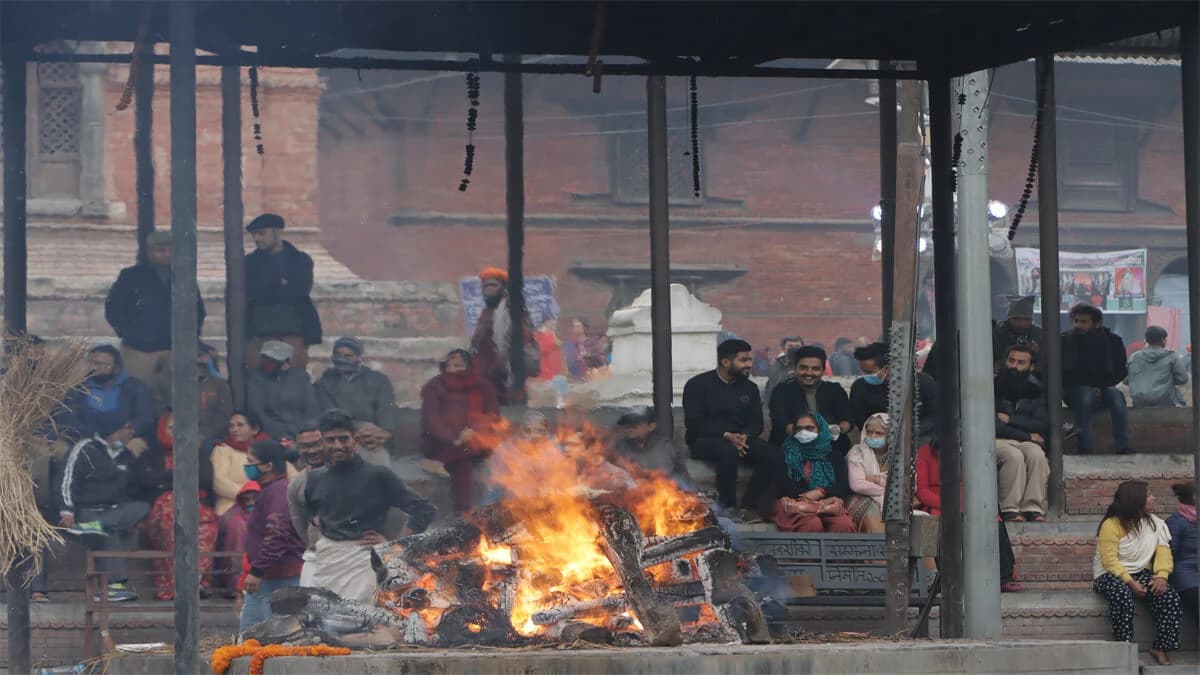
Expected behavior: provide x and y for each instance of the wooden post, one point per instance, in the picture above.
(887, 192)
(514, 197)
(660, 255)
(143, 145)
(1190, 51)
(235, 248)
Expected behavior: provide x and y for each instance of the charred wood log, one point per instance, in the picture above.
(692, 542)
(578, 631)
(623, 544)
(318, 606)
(548, 617)
(465, 625)
(742, 609)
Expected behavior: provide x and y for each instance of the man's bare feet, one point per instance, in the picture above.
(1160, 657)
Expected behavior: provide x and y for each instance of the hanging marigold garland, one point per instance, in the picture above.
(223, 657)
(258, 147)
(472, 120)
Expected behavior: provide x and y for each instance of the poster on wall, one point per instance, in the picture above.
(1114, 281)
(539, 300)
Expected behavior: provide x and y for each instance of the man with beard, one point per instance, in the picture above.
(1017, 329)
(364, 393)
(279, 279)
(1093, 364)
(349, 499)
(807, 392)
(493, 338)
(1022, 423)
(723, 418)
(138, 308)
(311, 447)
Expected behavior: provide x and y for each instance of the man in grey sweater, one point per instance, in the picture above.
(1155, 372)
(312, 457)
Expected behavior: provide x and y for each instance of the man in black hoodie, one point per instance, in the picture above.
(1093, 364)
(279, 279)
(805, 392)
(869, 393)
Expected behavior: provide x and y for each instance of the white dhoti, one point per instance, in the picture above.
(343, 567)
(309, 570)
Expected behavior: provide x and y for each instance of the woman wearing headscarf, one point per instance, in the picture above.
(813, 481)
(1133, 559)
(867, 464)
(456, 404)
(229, 457)
(1182, 525)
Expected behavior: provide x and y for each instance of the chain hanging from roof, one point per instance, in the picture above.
(695, 121)
(472, 120)
(1031, 177)
(258, 138)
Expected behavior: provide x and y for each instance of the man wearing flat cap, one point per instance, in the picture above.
(366, 394)
(138, 308)
(279, 393)
(491, 344)
(1017, 329)
(279, 279)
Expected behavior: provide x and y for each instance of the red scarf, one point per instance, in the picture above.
(167, 442)
(245, 447)
(466, 381)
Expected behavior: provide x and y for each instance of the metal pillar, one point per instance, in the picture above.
(981, 592)
(514, 198)
(887, 193)
(20, 658)
(184, 386)
(660, 253)
(1190, 71)
(235, 247)
(950, 565)
(1050, 367)
(143, 142)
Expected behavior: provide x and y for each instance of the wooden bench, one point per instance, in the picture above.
(96, 606)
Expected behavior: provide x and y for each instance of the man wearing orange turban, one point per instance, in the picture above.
(493, 334)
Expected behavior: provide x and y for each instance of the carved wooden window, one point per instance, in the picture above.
(1099, 168)
(629, 171)
(55, 129)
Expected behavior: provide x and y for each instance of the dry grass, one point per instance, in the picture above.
(30, 392)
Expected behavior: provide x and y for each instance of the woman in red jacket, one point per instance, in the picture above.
(454, 405)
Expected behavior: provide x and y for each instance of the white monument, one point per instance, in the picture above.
(694, 330)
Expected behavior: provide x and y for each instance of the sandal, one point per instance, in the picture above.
(1011, 517)
(1034, 517)
(40, 598)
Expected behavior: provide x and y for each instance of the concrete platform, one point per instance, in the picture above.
(898, 658)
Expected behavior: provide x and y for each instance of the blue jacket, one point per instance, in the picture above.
(1183, 550)
(97, 409)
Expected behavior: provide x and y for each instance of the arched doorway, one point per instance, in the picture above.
(1171, 290)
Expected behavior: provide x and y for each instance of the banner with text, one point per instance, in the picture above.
(1114, 281)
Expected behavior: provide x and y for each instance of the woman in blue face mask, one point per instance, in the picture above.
(812, 481)
(273, 548)
(868, 463)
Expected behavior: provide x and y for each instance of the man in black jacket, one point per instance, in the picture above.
(723, 417)
(806, 391)
(138, 308)
(1022, 424)
(279, 279)
(1093, 364)
(97, 501)
(869, 393)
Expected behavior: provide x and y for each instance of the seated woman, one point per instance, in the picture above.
(813, 481)
(867, 463)
(229, 457)
(1182, 525)
(454, 406)
(153, 470)
(1133, 559)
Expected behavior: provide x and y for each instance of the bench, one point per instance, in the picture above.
(96, 606)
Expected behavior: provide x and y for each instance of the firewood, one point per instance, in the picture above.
(578, 631)
(728, 589)
(548, 617)
(623, 544)
(465, 625)
(677, 547)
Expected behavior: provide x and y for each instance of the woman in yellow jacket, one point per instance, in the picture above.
(1133, 558)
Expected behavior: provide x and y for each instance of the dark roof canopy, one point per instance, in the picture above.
(958, 36)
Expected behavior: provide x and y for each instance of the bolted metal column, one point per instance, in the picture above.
(1190, 48)
(20, 657)
(1051, 349)
(514, 198)
(184, 342)
(660, 253)
(235, 247)
(950, 565)
(981, 591)
(143, 141)
(887, 193)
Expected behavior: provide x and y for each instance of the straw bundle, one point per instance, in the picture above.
(31, 390)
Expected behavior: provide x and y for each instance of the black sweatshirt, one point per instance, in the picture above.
(353, 498)
(713, 407)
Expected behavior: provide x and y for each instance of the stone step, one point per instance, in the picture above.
(1080, 615)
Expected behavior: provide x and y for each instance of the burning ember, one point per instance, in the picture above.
(582, 545)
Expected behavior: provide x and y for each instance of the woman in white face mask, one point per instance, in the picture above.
(812, 481)
(868, 464)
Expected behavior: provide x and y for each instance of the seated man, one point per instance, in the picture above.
(280, 395)
(1022, 422)
(807, 392)
(349, 499)
(869, 393)
(638, 441)
(1017, 329)
(723, 418)
(364, 393)
(1093, 363)
(1155, 372)
(110, 399)
(216, 400)
(97, 502)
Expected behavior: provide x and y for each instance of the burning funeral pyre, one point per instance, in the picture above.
(581, 545)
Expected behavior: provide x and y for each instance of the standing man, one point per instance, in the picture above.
(781, 367)
(807, 392)
(1155, 372)
(311, 447)
(364, 393)
(349, 499)
(493, 339)
(1093, 365)
(279, 279)
(1017, 329)
(138, 308)
(1022, 424)
(723, 415)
